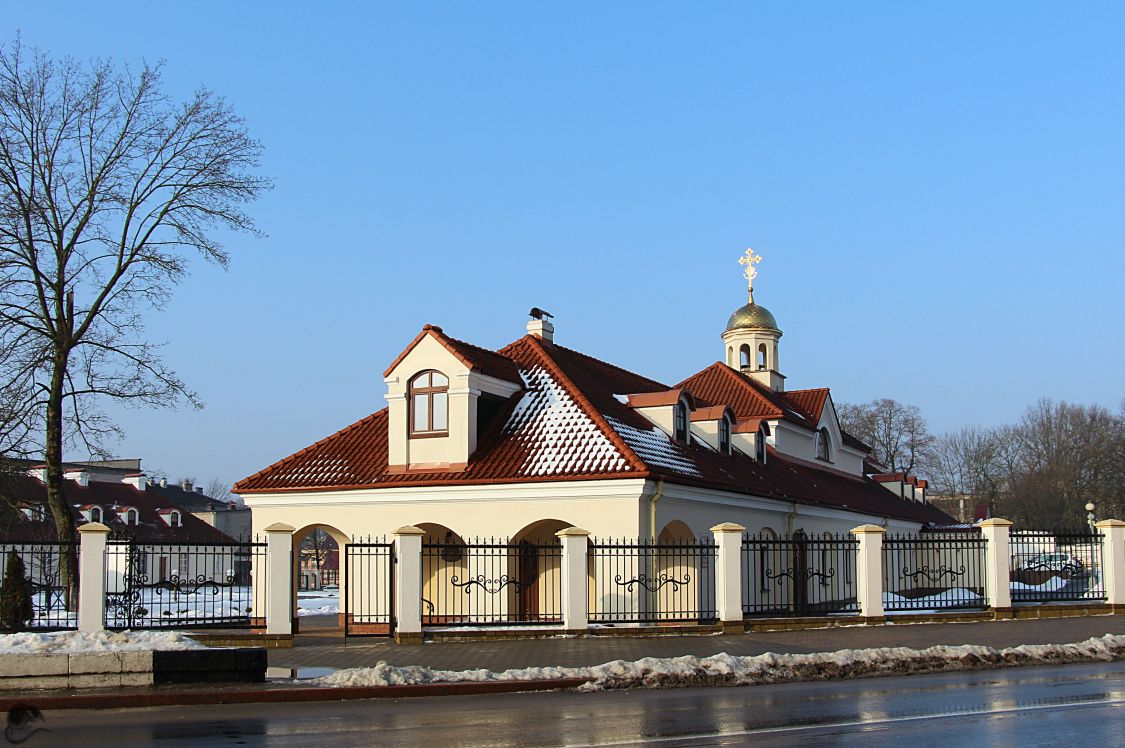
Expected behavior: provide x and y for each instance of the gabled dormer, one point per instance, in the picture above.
(668, 410)
(751, 437)
(442, 394)
(713, 424)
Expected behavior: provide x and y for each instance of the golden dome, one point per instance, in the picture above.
(752, 317)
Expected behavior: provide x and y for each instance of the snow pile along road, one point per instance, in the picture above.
(726, 670)
(103, 641)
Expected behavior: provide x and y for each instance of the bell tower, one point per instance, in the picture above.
(752, 335)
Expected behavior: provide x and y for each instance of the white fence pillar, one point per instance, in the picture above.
(575, 592)
(91, 577)
(728, 574)
(1113, 562)
(998, 564)
(279, 578)
(408, 584)
(869, 572)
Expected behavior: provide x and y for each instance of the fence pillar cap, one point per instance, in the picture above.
(995, 522)
(728, 527)
(409, 530)
(572, 532)
(1110, 523)
(94, 527)
(281, 527)
(868, 530)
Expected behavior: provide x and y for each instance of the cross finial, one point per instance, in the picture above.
(749, 259)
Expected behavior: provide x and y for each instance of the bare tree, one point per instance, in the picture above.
(106, 186)
(219, 489)
(896, 432)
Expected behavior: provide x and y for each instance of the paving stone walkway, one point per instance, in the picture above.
(321, 647)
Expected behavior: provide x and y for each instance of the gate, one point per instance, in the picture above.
(369, 588)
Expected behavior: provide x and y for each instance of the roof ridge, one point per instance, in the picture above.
(750, 384)
(306, 450)
(616, 367)
(583, 402)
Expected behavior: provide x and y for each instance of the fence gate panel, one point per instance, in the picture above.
(798, 575)
(184, 584)
(1056, 566)
(53, 607)
(369, 588)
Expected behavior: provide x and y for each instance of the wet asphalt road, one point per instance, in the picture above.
(1081, 705)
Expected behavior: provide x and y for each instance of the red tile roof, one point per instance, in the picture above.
(809, 402)
(570, 423)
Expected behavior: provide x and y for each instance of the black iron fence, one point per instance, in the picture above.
(184, 584)
(1056, 566)
(799, 575)
(368, 587)
(643, 581)
(491, 582)
(933, 571)
(52, 607)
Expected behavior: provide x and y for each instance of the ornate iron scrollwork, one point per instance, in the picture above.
(934, 575)
(652, 584)
(791, 574)
(490, 586)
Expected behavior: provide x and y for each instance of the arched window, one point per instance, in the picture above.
(174, 519)
(823, 451)
(429, 404)
(95, 514)
(132, 517)
(762, 361)
(760, 443)
(724, 435)
(744, 360)
(679, 421)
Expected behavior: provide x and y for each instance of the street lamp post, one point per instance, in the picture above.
(1090, 515)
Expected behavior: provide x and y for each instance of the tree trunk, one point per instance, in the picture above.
(56, 500)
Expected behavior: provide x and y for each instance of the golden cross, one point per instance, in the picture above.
(749, 259)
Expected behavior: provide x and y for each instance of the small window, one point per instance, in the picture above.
(679, 417)
(429, 404)
(724, 435)
(132, 517)
(174, 519)
(822, 445)
(95, 514)
(760, 445)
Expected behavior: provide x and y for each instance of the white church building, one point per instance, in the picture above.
(536, 437)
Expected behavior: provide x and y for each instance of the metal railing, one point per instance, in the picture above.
(933, 571)
(643, 581)
(369, 587)
(482, 582)
(798, 575)
(184, 584)
(1056, 566)
(42, 568)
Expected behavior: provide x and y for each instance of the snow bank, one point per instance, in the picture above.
(727, 670)
(103, 641)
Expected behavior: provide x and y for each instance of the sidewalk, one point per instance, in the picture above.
(325, 648)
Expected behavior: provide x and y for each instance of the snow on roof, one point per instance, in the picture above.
(559, 437)
(655, 447)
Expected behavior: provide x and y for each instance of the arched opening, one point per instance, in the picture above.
(95, 514)
(745, 357)
(763, 360)
(318, 579)
(724, 435)
(429, 404)
(535, 562)
(730, 355)
(674, 532)
(823, 445)
(760, 443)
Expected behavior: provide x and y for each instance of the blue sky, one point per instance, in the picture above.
(937, 190)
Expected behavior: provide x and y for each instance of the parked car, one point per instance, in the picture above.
(1054, 562)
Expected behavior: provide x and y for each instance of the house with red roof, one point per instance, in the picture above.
(536, 436)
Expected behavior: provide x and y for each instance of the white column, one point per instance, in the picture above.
(998, 563)
(408, 584)
(279, 578)
(728, 573)
(91, 577)
(869, 571)
(1113, 561)
(575, 595)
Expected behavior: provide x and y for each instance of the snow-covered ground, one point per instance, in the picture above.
(318, 602)
(955, 597)
(727, 670)
(105, 641)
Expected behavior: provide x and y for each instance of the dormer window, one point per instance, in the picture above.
(129, 516)
(173, 518)
(724, 435)
(95, 514)
(823, 445)
(429, 404)
(680, 421)
(760, 443)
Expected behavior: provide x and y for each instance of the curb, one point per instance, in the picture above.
(135, 699)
